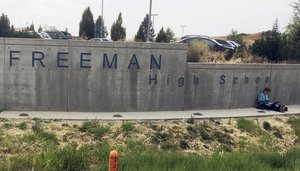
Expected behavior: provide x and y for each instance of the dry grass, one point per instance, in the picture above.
(200, 137)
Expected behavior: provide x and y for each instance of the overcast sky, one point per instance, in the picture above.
(210, 17)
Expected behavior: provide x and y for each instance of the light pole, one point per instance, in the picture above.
(182, 26)
(102, 10)
(153, 15)
(149, 21)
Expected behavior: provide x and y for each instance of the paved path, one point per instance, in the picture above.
(197, 114)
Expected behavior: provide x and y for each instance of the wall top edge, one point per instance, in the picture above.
(242, 66)
(81, 43)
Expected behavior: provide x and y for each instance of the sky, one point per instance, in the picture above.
(210, 17)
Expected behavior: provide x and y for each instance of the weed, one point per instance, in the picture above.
(88, 126)
(100, 131)
(3, 120)
(183, 144)
(277, 133)
(68, 158)
(205, 135)
(267, 126)
(127, 126)
(7, 125)
(47, 136)
(226, 148)
(41, 136)
(159, 137)
(135, 145)
(192, 130)
(190, 120)
(65, 125)
(37, 126)
(22, 126)
(223, 138)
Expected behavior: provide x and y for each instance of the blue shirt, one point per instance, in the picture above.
(262, 98)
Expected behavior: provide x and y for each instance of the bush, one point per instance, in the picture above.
(196, 51)
(267, 126)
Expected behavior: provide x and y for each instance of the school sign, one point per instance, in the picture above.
(117, 76)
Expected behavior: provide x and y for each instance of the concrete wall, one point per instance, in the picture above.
(82, 76)
(71, 76)
(211, 86)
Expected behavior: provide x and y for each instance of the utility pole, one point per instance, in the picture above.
(149, 21)
(102, 10)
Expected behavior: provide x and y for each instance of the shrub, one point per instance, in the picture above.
(267, 126)
(196, 51)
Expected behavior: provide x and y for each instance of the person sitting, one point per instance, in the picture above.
(264, 102)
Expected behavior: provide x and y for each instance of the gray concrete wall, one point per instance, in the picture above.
(78, 81)
(82, 76)
(237, 85)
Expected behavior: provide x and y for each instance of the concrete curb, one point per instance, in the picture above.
(160, 115)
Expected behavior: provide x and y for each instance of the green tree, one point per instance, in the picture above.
(161, 36)
(170, 34)
(292, 34)
(4, 26)
(87, 25)
(118, 32)
(101, 31)
(40, 29)
(31, 27)
(269, 45)
(165, 36)
(235, 36)
(294, 26)
(141, 35)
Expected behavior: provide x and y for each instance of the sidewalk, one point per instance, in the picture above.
(160, 115)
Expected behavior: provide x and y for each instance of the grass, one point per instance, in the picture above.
(95, 157)
(161, 150)
(248, 126)
(94, 128)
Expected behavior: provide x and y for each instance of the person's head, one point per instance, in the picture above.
(266, 90)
